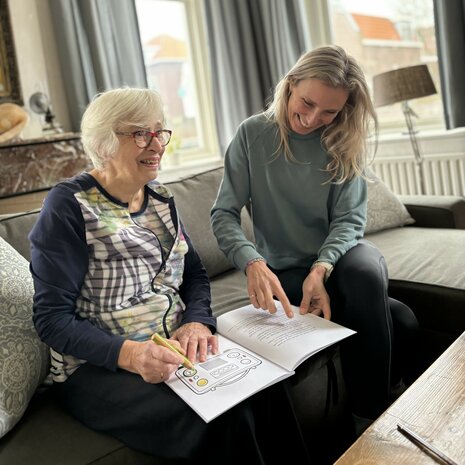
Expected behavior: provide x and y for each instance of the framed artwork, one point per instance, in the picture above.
(10, 90)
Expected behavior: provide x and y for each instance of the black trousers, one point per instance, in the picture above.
(151, 418)
(383, 350)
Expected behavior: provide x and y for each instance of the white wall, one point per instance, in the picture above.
(37, 58)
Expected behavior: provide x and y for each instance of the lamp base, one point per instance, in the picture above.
(412, 132)
(51, 129)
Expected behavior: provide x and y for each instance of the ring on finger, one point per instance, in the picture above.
(252, 295)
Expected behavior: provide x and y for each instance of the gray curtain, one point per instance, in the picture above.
(99, 49)
(450, 38)
(253, 43)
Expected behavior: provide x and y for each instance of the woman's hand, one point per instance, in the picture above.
(315, 299)
(196, 339)
(262, 285)
(151, 361)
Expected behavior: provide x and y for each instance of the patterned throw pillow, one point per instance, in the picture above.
(24, 359)
(384, 210)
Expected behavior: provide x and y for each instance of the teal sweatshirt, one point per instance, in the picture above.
(297, 217)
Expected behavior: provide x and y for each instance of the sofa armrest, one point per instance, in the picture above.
(436, 211)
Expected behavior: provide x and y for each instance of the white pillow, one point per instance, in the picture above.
(24, 359)
(384, 210)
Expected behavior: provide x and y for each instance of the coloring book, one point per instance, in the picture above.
(256, 350)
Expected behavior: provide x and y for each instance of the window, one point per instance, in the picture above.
(382, 35)
(390, 34)
(176, 64)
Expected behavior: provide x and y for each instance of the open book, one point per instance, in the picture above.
(257, 349)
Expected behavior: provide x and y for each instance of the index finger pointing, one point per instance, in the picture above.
(282, 297)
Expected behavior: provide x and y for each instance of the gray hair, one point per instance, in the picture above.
(113, 111)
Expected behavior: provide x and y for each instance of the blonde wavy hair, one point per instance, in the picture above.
(116, 110)
(345, 138)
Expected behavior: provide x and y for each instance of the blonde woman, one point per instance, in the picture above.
(300, 165)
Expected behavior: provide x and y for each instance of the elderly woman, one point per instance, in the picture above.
(112, 265)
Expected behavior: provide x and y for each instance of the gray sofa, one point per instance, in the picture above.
(424, 271)
(426, 268)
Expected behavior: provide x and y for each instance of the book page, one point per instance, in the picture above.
(224, 379)
(282, 340)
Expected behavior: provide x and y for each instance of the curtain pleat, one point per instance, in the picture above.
(253, 43)
(450, 38)
(99, 49)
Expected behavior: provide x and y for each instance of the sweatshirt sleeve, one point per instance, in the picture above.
(347, 220)
(59, 262)
(195, 290)
(233, 195)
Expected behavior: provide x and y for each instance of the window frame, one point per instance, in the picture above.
(207, 152)
(198, 48)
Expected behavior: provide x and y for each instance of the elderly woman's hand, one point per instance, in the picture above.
(195, 339)
(151, 361)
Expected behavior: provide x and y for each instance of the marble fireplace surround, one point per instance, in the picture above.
(38, 164)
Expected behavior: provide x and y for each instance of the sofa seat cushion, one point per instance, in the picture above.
(47, 435)
(426, 272)
(424, 255)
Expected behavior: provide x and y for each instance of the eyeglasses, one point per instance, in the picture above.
(143, 138)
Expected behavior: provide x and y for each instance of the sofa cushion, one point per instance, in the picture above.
(47, 435)
(408, 258)
(426, 272)
(229, 291)
(385, 210)
(194, 196)
(15, 229)
(23, 357)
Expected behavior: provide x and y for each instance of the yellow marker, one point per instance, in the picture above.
(161, 341)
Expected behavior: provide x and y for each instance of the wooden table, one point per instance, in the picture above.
(433, 407)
